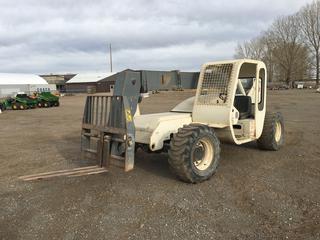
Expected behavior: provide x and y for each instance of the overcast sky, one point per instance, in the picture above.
(60, 36)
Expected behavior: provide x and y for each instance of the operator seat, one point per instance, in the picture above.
(244, 105)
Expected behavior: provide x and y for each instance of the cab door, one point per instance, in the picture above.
(260, 98)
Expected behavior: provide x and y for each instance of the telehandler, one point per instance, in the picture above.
(229, 106)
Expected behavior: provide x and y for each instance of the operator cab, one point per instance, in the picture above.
(243, 100)
(249, 100)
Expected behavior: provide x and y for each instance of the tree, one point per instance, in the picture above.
(250, 49)
(283, 49)
(257, 49)
(288, 53)
(310, 27)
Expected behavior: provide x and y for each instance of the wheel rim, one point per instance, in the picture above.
(203, 154)
(278, 131)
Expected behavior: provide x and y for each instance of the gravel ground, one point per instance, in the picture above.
(254, 195)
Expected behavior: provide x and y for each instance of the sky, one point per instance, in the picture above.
(72, 36)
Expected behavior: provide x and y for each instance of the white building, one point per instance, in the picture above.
(12, 83)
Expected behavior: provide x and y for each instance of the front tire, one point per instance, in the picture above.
(194, 153)
(272, 137)
(46, 104)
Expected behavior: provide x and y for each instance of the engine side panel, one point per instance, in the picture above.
(154, 129)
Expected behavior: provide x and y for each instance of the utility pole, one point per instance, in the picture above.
(110, 52)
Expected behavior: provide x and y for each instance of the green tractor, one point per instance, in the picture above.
(20, 102)
(47, 99)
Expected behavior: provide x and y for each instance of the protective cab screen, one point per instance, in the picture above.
(215, 84)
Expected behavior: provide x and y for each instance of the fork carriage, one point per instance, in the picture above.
(108, 131)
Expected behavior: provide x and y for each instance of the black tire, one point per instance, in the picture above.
(39, 105)
(15, 106)
(22, 107)
(46, 104)
(270, 138)
(56, 104)
(185, 146)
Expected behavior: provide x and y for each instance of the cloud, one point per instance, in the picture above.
(72, 36)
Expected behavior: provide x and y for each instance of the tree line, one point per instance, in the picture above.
(290, 47)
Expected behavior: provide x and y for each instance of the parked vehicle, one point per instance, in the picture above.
(229, 106)
(2, 107)
(47, 99)
(20, 102)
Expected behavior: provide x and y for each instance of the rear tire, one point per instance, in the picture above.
(272, 137)
(194, 153)
(15, 106)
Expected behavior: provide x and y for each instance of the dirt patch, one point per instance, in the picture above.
(254, 195)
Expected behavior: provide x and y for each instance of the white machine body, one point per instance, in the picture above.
(230, 97)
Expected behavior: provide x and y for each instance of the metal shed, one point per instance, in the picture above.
(59, 80)
(88, 82)
(161, 80)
